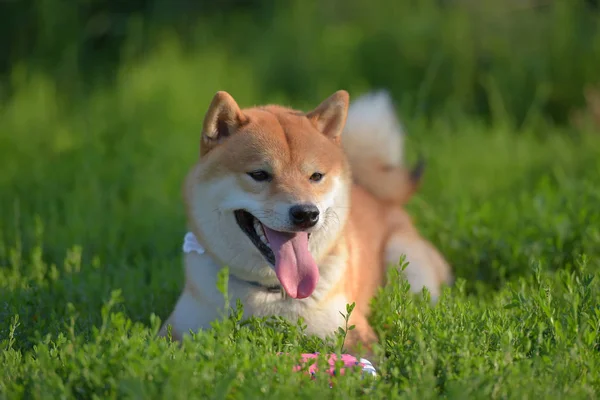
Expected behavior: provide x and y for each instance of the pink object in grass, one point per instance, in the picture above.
(350, 362)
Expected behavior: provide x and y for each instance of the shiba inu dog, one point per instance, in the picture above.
(304, 204)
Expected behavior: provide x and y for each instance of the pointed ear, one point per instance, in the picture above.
(223, 118)
(330, 116)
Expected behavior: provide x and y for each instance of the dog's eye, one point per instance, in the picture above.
(259, 176)
(316, 177)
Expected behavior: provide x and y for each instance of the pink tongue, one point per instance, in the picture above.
(294, 265)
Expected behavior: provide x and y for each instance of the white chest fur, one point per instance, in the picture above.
(201, 303)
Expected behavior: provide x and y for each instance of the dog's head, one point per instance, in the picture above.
(270, 194)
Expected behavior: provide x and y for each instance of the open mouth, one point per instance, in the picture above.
(288, 252)
(253, 228)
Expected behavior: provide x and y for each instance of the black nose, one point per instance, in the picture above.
(304, 215)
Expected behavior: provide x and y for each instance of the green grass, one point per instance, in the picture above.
(502, 60)
(92, 223)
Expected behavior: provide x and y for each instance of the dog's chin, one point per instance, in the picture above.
(253, 228)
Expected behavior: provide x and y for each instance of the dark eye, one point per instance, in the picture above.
(259, 176)
(316, 177)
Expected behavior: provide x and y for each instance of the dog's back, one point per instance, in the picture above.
(373, 141)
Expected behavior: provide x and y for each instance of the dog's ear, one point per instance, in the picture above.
(223, 118)
(330, 116)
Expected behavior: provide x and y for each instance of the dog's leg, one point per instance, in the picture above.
(189, 314)
(164, 331)
(362, 336)
(185, 310)
(426, 266)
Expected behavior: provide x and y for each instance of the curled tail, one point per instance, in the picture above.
(373, 140)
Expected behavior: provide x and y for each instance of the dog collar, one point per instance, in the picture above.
(191, 245)
(270, 289)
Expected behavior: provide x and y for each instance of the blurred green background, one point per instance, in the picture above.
(494, 59)
(101, 104)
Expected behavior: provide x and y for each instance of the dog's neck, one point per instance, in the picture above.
(270, 289)
(191, 245)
